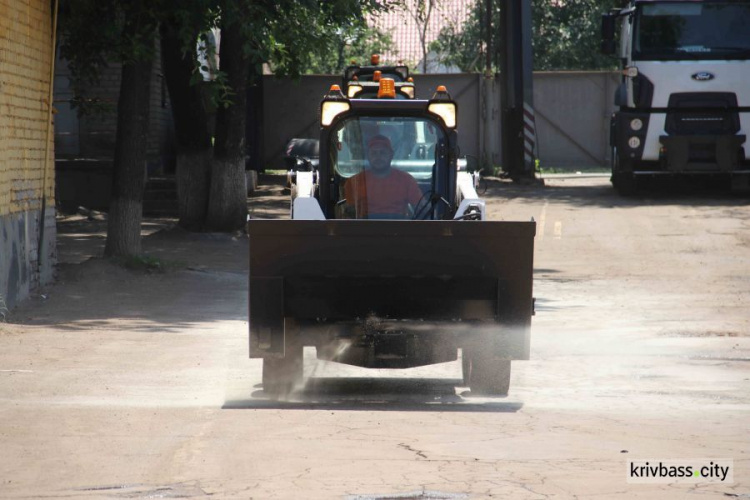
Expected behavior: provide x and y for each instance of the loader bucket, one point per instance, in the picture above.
(344, 271)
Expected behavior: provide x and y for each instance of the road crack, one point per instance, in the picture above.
(409, 448)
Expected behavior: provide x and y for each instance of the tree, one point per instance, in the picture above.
(227, 208)
(285, 34)
(179, 35)
(566, 36)
(421, 12)
(463, 46)
(129, 173)
(93, 33)
(352, 42)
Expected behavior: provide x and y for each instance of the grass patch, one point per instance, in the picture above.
(148, 264)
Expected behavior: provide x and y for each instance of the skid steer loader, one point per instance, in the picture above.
(384, 285)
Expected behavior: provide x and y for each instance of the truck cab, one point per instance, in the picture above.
(683, 104)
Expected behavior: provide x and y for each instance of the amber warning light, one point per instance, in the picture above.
(387, 88)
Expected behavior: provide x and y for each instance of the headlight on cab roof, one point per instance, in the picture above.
(446, 111)
(353, 90)
(330, 110)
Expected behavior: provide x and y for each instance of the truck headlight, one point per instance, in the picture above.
(636, 124)
(634, 142)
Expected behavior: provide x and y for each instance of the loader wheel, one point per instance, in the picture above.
(488, 375)
(281, 376)
(466, 368)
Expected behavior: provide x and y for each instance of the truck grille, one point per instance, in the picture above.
(702, 113)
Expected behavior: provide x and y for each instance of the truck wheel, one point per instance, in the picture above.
(488, 374)
(281, 376)
(624, 183)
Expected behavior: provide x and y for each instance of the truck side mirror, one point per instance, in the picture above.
(608, 34)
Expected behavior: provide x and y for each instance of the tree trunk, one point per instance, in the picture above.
(192, 135)
(129, 176)
(227, 204)
(254, 124)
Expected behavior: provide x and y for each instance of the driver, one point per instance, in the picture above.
(381, 189)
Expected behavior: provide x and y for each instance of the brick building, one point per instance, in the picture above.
(26, 156)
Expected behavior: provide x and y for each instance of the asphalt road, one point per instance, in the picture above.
(124, 384)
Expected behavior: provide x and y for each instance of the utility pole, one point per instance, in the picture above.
(518, 130)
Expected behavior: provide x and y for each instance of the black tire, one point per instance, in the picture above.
(488, 374)
(625, 183)
(466, 368)
(739, 185)
(282, 376)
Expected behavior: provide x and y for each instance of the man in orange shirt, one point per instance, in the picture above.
(381, 191)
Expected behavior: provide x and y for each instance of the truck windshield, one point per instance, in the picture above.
(386, 165)
(692, 30)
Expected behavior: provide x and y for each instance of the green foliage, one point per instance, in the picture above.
(292, 36)
(309, 36)
(565, 37)
(464, 46)
(347, 43)
(94, 33)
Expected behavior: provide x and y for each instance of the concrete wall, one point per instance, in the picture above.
(25, 179)
(572, 114)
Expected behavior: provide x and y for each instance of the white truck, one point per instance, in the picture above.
(683, 106)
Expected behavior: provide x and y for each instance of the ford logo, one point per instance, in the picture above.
(703, 76)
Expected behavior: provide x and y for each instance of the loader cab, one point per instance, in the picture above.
(421, 136)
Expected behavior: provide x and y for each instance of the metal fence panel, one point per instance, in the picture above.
(572, 114)
(572, 117)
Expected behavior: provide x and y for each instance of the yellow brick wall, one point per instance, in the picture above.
(25, 55)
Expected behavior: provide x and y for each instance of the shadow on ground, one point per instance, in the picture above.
(377, 394)
(598, 192)
(202, 278)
